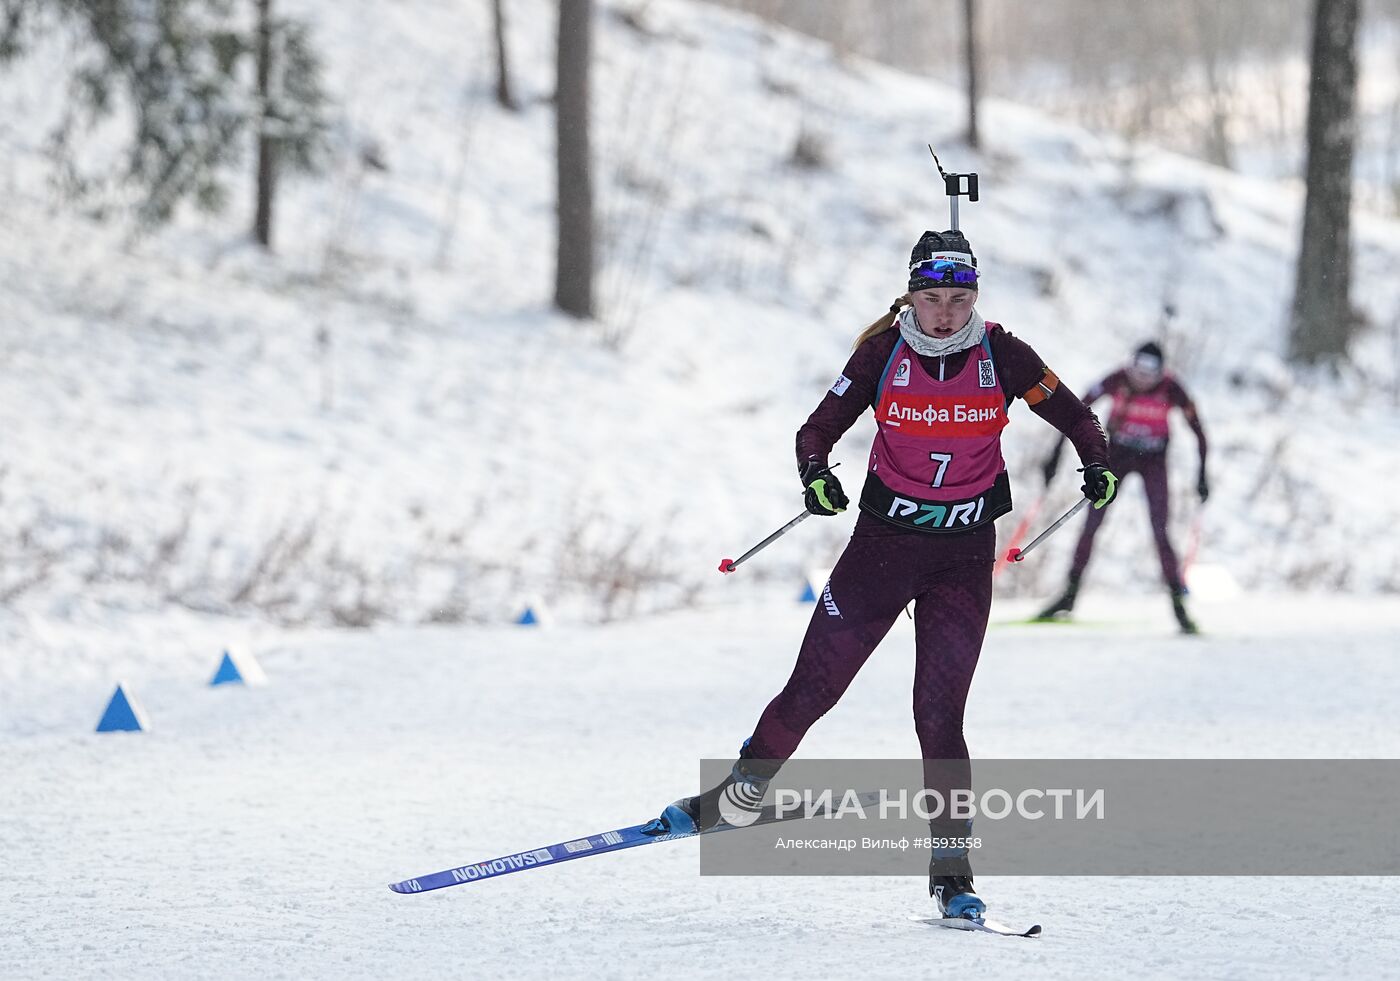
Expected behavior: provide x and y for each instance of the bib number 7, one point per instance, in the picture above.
(943, 460)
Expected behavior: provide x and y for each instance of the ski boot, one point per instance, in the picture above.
(1062, 607)
(1183, 619)
(737, 800)
(950, 885)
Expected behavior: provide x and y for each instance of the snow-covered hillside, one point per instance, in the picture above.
(386, 421)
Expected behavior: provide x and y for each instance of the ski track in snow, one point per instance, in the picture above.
(252, 832)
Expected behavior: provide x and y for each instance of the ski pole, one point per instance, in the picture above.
(1017, 554)
(729, 565)
(1021, 528)
(1193, 542)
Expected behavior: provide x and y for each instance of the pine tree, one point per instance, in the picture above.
(178, 66)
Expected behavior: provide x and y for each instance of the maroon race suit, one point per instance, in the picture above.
(1138, 436)
(943, 564)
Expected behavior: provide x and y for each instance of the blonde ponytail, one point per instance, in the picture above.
(883, 324)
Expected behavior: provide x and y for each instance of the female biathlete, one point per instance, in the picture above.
(940, 380)
(1143, 393)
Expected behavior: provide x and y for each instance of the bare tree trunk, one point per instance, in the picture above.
(267, 164)
(503, 92)
(573, 281)
(1216, 46)
(974, 139)
(1321, 301)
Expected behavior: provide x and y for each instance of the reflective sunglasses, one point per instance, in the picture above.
(945, 271)
(1148, 365)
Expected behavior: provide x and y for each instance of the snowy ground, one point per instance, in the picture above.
(252, 832)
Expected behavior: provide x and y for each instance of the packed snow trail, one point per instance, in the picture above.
(251, 832)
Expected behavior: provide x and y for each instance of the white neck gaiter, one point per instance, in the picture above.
(971, 335)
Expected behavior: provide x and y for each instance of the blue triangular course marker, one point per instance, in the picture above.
(227, 674)
(528, 618)
(121, 715)
(809, 595)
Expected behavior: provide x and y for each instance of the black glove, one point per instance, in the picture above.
(1100, 484)
(824, 494)
(1202, 485)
